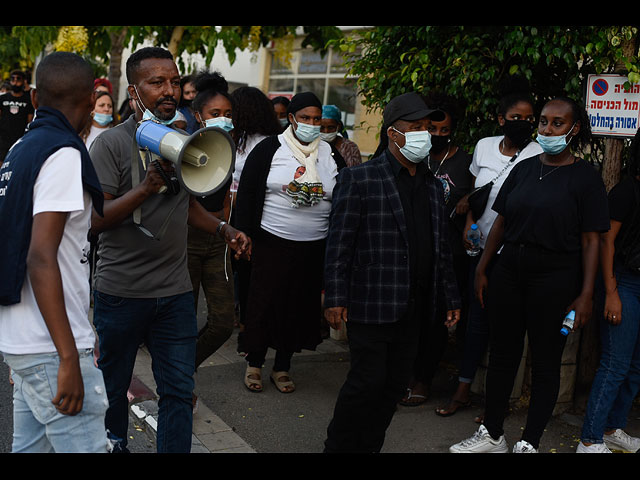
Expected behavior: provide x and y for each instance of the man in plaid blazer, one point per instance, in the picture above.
(387, 258)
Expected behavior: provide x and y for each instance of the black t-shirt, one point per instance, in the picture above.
(457, 181)
(414, 197)
(623, 207)
(215, 201)
(554, 211)
(455, 177)
(14, 113)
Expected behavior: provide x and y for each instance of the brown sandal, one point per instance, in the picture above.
(253, 384)
(284, 386)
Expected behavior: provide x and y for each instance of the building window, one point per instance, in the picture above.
(322, 75)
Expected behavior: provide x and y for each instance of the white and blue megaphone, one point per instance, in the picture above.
(204, 161)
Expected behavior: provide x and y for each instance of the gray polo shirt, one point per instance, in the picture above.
(130, 263)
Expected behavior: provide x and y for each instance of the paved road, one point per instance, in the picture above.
(230, 418)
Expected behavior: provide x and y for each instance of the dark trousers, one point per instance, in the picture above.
(168, 328)
(282, 362)
(381, 362)
(529, 292)
(434, 338)
(476, 337)
(210, 268)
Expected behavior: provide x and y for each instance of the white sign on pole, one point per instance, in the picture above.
(613, 110)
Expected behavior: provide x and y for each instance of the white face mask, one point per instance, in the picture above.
(416, 146)
(329, 137)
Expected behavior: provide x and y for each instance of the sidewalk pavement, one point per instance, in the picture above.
(210, 433)
(231, 419)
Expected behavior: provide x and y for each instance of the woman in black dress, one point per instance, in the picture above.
(284, 200)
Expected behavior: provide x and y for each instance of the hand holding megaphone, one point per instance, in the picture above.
(156, 174)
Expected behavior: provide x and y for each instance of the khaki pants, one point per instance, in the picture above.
(206, 260)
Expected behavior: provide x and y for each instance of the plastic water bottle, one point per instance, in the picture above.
(474, 235)
(567, 325)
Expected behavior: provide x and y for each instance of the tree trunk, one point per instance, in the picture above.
(176, 36)
(589, 356)
(115, 63)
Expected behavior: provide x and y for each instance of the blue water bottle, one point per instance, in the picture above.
(473, 236)
(567, 325)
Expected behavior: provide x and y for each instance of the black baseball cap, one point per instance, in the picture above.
(409, 106)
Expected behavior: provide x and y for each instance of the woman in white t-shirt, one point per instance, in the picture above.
(254, 119)
(491, 156)
(283, 203)
(101, 118)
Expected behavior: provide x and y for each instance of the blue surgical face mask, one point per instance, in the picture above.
(555, 144)
(225, 123)
(102, 119)
(416, 145)
(283, 122)
(148, 115)
(307, 133)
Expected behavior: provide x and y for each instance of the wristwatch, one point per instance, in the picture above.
(220, 225)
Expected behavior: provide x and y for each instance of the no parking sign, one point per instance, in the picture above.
(613, 110)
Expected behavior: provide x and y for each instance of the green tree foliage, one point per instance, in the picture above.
(21, 45)
(468, 62)
(25, 43)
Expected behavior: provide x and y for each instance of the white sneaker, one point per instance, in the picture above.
(593, 448)
(480, 442)
(620, 440)
(524, 447)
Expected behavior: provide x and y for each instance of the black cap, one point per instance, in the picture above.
(303, 100)
(409, 106)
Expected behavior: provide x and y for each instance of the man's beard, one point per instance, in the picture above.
(165, 116)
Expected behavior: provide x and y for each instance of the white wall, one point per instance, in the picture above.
(247, 68)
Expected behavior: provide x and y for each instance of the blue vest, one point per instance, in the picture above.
(47, 133)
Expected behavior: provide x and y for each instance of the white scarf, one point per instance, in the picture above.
(307, 155)
(306, 189)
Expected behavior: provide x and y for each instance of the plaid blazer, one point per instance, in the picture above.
(367, 264)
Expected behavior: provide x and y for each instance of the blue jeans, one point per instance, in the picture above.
(476, 338)
(168, 327)
(618, 377)
(37, 426)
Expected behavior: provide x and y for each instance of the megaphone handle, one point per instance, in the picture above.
(170, 185)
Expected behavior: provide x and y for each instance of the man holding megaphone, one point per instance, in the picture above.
(142, 288)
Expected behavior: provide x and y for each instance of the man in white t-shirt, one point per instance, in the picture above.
(46, 337)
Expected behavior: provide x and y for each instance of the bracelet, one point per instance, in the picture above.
(220, 225)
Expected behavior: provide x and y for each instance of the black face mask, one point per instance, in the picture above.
(518, 131)
(17, 88)
(439, 143)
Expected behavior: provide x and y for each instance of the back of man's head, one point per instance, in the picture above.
(133, 62)
(62, 80)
